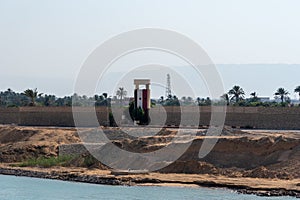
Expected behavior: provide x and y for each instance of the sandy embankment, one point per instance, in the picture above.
(260, 162)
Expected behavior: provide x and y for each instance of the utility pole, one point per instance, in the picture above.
(168, 88)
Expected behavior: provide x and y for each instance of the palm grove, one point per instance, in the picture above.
(234, 97)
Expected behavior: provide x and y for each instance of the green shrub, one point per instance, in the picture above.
(112, 122)
(89, 161)
(46, 162)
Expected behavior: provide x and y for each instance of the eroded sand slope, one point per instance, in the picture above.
(256, 154)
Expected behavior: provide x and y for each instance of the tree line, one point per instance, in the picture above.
(31, 97)
(234, 97)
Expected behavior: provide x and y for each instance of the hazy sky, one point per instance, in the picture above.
(43, 43)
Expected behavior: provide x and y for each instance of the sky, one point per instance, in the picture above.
(44, 43)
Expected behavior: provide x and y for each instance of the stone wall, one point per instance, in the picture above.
(9, 116)
(50, 116)
(72, 149)
(245, 117)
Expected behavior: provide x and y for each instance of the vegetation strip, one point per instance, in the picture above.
(235, 96)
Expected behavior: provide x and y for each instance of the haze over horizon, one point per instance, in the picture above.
(253, 80)
(44, 44)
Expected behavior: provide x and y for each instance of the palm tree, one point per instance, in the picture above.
(105, 95)
(189, 99)
(297, 90)
(198, 101)
(161, 100)
(101, 100)
(282, 93)
(254, 97)
(32, 94)
(225, 97)
(236, 93)
(183, 99)
(121, 92)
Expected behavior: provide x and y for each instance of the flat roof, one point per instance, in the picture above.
(141, 81)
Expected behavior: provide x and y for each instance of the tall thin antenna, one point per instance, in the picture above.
(168, 88)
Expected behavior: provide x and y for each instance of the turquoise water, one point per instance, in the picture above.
(19, 188)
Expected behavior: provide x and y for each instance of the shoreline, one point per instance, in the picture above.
(267, 187)
(263, 163)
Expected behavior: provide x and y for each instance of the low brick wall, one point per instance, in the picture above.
(9, 116)
(51, 116)
(247, 117)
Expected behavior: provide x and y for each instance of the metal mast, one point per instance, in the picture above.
(168, 88)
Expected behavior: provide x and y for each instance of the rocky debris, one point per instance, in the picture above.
(270, 193)
(22, 143)
(12, 135)
(65, 176)
(128, 172)
(226, 131)
(21, 152)
(263, 172)
(190, 167)
(166, 132)
(86, 160)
